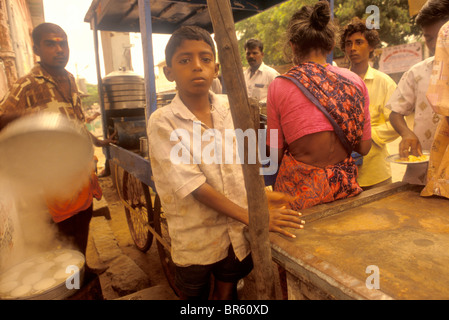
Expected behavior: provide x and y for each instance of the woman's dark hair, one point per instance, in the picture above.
(357, 25)
(309, 29)
(433, 11)
(44, 28)
(186, 33)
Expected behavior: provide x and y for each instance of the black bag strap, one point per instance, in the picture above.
(340, 134)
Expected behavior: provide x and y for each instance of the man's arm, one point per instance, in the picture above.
(409, 139)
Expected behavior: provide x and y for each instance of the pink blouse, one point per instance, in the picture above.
(291, 113)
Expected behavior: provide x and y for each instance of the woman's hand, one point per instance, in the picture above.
(280, 215)
(281, 218)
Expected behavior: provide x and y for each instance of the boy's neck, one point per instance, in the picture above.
(200, 106)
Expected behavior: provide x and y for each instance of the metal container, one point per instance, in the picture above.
(165, 98)
(52, 275)
(123, 90)
(129, 131)
(45, 149)
(144, 147)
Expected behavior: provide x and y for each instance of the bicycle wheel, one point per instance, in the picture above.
(164, 244)
(139, 211)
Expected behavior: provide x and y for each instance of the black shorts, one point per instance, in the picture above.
(193, 280)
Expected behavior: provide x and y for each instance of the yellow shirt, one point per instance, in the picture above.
(375, 168)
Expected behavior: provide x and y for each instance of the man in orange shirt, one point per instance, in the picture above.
(50, 87)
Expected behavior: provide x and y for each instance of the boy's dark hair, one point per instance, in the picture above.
(253, 43)
(357, 25)
(311, 28)
(433, 11)
(44, 28)
(186, 33)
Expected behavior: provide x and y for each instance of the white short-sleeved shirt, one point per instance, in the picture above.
(257, 85)
(410, 97)
(199, 235)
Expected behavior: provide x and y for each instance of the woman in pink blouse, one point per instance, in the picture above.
(321, 116)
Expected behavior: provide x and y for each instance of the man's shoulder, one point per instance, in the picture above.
(35, 73)
(381, 76)
(423, 65)
(269, 69)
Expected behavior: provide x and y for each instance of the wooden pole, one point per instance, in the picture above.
(223, 22)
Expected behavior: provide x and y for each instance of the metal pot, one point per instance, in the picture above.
(52, 275)
(123, 90)
(45, 149)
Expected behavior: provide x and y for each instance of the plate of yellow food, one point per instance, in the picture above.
(395, 158)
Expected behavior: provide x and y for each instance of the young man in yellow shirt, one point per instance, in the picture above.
(359, 43)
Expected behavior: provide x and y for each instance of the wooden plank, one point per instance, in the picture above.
(133, 163)
(225, 36)
(328, 209)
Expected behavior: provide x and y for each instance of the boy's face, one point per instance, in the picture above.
(193, 67)
(357, 48)
(53, 50)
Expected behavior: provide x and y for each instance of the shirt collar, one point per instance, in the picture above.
(261, 67)
(429, 61)
(180, 110)
(39, 72)
(369, 73)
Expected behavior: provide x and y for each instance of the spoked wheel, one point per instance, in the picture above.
(164, 244)
(139, 211)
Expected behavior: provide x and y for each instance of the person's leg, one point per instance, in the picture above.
(224, 290)
(227, 273)
(193, 282)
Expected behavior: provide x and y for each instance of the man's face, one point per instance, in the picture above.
(53, 50)
(430, 34)
(193, 67)
(254, 57)
(357, 48)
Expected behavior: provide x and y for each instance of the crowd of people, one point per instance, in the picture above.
(321, 115)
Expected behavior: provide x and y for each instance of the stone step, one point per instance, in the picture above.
(126, 276)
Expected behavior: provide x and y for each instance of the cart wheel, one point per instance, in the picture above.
(163, 247)
(139, 214)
